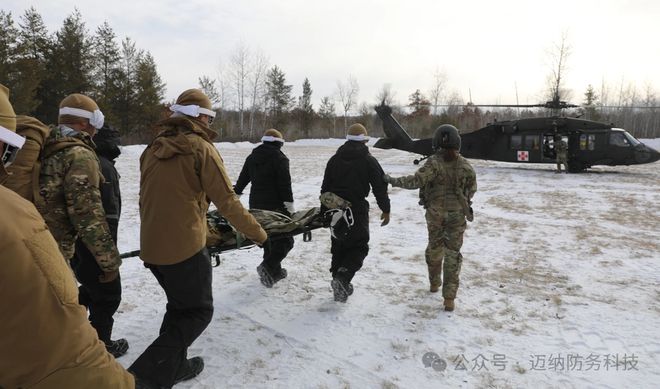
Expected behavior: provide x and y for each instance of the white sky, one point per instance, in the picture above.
(486, 47)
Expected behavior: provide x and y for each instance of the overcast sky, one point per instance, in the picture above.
(484, 47)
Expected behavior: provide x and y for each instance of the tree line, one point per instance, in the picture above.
(251, 95)
(41, 68)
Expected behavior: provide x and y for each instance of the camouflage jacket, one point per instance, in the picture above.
(69, 198)
(442, 185)
(561, 147)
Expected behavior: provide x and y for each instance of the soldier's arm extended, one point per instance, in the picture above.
(418, 180)
(243, 178)
(217, 186)
(85, 209)
(378, 186)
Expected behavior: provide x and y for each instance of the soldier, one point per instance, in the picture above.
(70, 201)
(268, 169)
(561, 148)
(446, 185)
(350, 174)
(102, 298)
(180, 171)
(47, 340)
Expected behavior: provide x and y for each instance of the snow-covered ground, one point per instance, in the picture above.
(560, 281)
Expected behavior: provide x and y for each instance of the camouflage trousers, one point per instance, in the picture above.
(443, 256)
(562, 160)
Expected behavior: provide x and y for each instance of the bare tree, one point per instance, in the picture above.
(437, 89)
(558, 62)
(348, 93)
(257, 84)
(238, 75)
(386, 95)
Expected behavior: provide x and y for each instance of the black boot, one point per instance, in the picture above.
(117, 347)
(190, 368)
(341, 287)
(269, 277)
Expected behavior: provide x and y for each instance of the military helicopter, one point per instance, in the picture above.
(531, 140)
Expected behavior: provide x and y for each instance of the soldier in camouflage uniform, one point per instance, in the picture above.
(70, 201)
(561, 149)
(446, 185)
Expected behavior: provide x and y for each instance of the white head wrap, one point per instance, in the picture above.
(192, 110)
(96, 118)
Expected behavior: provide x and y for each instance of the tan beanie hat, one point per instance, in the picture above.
(7, 115)
(193, 102)
(272, 135)
(76, 106)
(357, 132)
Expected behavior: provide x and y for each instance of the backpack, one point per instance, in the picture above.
(337, 215)
(24, 171)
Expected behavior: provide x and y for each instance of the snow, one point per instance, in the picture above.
(561, 269)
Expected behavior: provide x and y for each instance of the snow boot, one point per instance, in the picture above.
(434, 288)
(117, 347)
(449, 305)
(267, 278)
(190, 368)
(340, 290)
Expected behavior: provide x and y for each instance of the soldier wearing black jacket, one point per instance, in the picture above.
(350, 174)
(268, 169)
(102, 298)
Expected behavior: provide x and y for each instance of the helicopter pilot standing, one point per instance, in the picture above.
(561, 149)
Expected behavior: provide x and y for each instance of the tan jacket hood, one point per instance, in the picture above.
(32, 128)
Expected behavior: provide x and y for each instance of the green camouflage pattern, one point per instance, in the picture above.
(561, 148)
(444, 185)
(443, 255)
(69, 198)
(446, 191)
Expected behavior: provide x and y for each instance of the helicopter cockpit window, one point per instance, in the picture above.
(619, 139)
(516, 142)
(631, 139)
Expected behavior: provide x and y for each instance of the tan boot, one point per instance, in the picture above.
(449, 305)
(434, 288)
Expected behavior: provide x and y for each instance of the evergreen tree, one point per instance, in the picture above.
(123, 101)
(106, 69)
(68, 68)
(305, 109)
(419, 105)
(327, 114)
(590, 101)
(279, 97)
(8, 43)
(150, 92)
(34, 44)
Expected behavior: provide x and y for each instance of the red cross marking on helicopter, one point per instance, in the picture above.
(523, 155)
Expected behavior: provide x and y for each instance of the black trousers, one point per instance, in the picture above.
(274, 256)
(189, 311)
(101, 299)
(350, 252)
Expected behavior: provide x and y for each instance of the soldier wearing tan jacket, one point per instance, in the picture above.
(181, 170)
(47, 341)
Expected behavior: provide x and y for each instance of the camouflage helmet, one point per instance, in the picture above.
(446, 137)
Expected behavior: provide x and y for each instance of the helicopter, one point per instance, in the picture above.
(531, 140)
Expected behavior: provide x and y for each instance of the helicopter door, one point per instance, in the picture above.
(549, 147)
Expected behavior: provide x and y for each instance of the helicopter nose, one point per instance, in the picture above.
(655, 155)
(647, 155)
